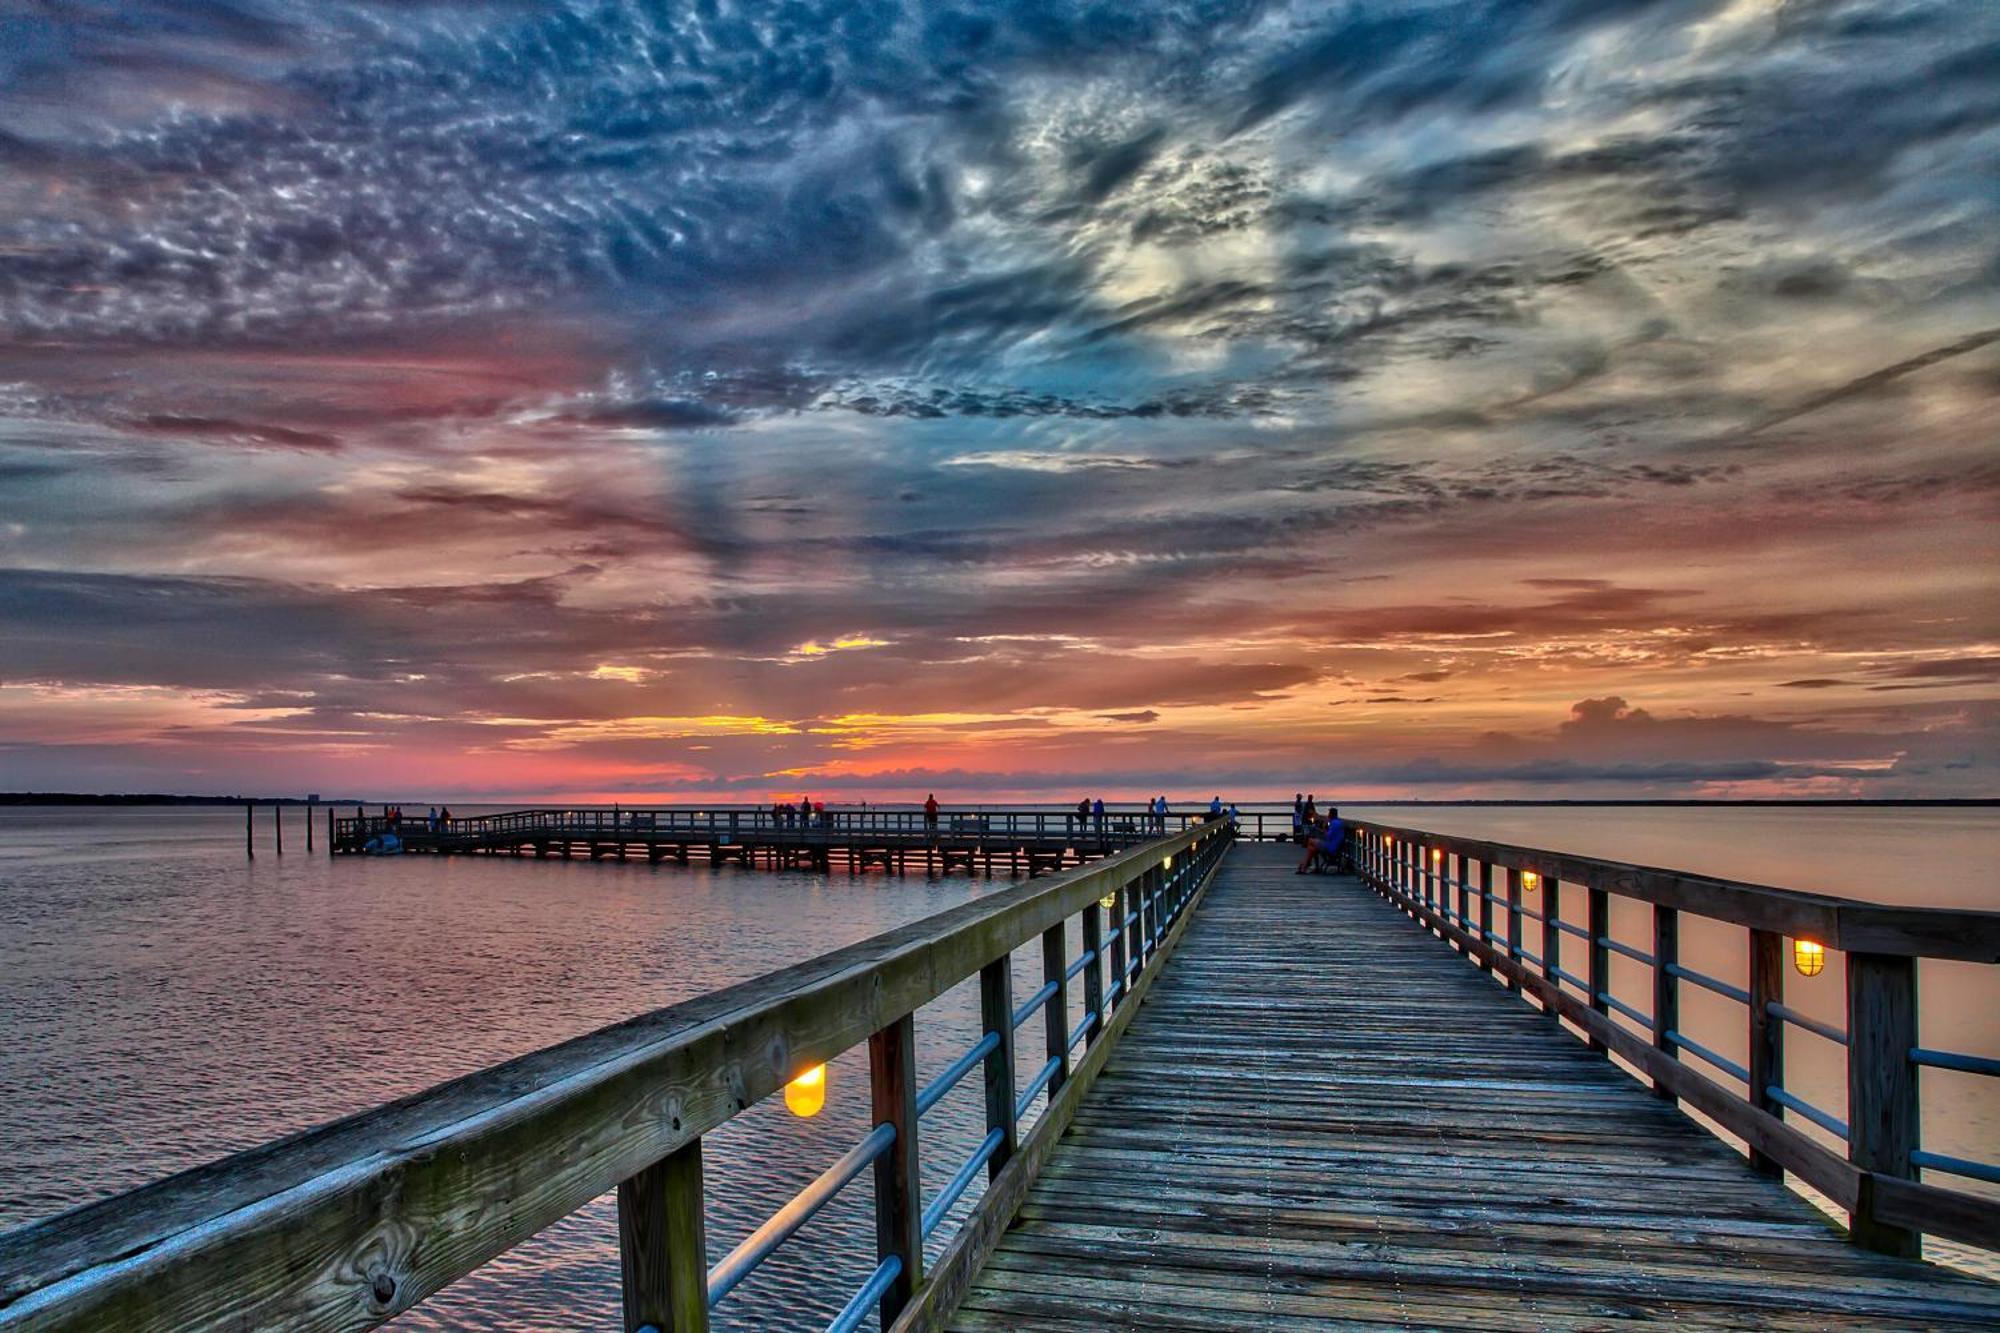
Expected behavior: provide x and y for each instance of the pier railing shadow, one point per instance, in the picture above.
(348, 1225)
(1479, 897)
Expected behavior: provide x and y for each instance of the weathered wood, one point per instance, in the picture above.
(1119, 898)
(1055, 1013)
(311, 1232)
(1666, 987)
(1766, 1048)
(1552, 938)
(1093, 973)
(899, 1205)
(250, 831)
(1514, 928)
(996, 1015)
(1486, 908)
(1599, 970)
(662, 1245)
(1839, 923)
(1882, 1111)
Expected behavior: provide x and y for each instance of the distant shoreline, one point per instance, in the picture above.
(157, 798)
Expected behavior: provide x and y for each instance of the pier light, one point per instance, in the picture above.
(1809, 957)
(1390, 838)
(1529, 879)
(1167, 864)
(1109, 900)
(1437, 854)
(806, 1094)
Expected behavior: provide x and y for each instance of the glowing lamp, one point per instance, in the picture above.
(1437, 854)
(1109, 900)
(1390, 838)
(1809, 957)
(1529, 879)
(1167, 864)
(806, 1094)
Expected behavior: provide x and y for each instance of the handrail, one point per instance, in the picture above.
(1849, 924)
(1877, 1180)
(348, 1225)
(762, 1243)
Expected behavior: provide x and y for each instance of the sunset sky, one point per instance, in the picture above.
(627, 401)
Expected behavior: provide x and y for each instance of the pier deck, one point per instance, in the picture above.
(1323, 1117)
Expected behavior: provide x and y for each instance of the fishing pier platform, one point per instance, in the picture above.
(1034, 842)
(1435, 1091)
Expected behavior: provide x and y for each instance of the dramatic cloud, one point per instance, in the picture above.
(595, 397)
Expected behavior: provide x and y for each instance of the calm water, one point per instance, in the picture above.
(169, 1002)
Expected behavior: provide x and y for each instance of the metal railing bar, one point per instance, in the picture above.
(1809, 1023)
(1529, 913)
(1706, 982)
(1965, 1064)
(960, 1067)
(1569, 929)
(1720, 1061)
(1643, 1020)
(857, 1309)
(1637, 955)
(948, 1196)
(1089, 957)
(1035, 1085)
(756, 1247)
(1114, 990)
(1081, 1028)
(1034, 1002)
(1957, 1166)
(1824, 1119)
(1534, 958)
(1563, 974)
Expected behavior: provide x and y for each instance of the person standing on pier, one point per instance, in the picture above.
(1215, 807)
(1298, 817)
(930, 816)
(1083, 816)
(1097, 815)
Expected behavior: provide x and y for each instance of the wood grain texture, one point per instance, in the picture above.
(1288, 1137)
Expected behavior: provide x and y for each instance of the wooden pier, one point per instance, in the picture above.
(1014, 842)
(1325, 1118)
(1378, 1098)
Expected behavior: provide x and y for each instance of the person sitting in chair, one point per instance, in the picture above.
(1323, 844)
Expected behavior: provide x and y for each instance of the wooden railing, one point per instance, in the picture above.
(346, 1226)
(1475, 895)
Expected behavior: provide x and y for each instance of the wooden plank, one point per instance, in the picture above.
(662, 1245)
(1766, 1046)
(1666, 986)
(899, 1205)
(1882, 1111)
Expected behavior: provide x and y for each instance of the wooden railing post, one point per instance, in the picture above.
(1599, 971)
(899, 1204)
(1514, 925)
(1486, 912)
(1093, 972)
(662, 1245)
(1055, 1014)
(996, 1013)
(1767, 1032)
(1666, 986)
(1135, 895)
(1883, 1123)
(1552, 937)
(1119, 897)
(1461, 868)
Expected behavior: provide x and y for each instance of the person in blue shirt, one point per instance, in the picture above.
(1323, 844)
